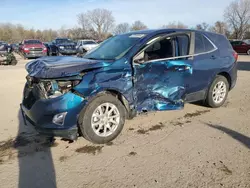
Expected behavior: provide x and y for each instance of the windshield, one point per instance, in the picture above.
(32, 42)
(60, 41)
(88, 42)
(114, 47)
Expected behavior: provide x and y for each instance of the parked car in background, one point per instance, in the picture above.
(15, 47)
(51, 49)
(150, 70)
(64, 46)
(6, 57)
(241, 46)
(3, 47)
(32, 48)
(85, 45)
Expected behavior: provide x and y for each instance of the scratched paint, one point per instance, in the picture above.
(147, 87)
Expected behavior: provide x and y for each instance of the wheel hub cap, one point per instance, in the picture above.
(219, 92)
(105, 119)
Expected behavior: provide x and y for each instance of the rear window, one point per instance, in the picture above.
(202, 44)
(236, 43)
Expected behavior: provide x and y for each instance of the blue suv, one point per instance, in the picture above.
(151, 70)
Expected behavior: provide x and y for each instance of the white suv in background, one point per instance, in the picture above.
(85, 45)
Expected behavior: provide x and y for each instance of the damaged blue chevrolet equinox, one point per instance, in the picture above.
(142, 71)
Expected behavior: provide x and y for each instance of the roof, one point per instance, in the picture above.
(170, 30)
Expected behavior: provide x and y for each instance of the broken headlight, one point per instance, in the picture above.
(58, 88)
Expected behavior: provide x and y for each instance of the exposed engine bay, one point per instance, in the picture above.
(51, 88)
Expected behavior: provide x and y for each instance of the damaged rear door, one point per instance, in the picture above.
(160, 71)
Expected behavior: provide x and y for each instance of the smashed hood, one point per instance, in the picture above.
(57, 67)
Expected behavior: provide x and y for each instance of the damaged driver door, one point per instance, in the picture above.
(160, 70)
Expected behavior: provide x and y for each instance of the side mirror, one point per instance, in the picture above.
(139, 58)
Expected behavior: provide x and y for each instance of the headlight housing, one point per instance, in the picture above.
(58, 88)
(26, 49)
(61, 47)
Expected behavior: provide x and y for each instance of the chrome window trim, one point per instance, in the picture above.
(179, 57)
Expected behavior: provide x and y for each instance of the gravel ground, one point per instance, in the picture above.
(194, 147)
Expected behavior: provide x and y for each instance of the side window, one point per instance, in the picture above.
(159, 50)
(183, 45)
(199, 45)
(202, 44)
(208, 45)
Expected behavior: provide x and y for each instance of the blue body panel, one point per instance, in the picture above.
(159, 85)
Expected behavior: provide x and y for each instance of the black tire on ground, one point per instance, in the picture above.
(209, 99)
(84, 120)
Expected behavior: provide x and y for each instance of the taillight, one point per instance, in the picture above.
(235, 54)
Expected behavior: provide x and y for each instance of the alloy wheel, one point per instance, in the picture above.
(105, 119)
(219, 92)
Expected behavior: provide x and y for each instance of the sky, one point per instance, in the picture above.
(45, 14)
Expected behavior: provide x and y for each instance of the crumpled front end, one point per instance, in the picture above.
(51, 106)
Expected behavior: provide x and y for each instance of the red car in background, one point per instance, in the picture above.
(241, 46)
(32, 48)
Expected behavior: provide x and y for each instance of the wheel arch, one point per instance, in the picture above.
(123, 100)
(227, 76)
(130, 113)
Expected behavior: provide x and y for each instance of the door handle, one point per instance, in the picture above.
(213, 57)
(183, 68)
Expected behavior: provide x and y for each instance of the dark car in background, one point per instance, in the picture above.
(241, 46)
(32, 48)
(64, 46)
(15, 47)
(51, 49)
(3, 47)
(142, 71)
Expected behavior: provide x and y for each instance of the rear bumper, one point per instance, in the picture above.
(234, 75)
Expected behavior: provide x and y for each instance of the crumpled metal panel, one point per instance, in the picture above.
(161, 85)
(117, 77)
(57, 67)
(146, 87)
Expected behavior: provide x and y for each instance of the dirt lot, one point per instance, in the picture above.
(195, 147)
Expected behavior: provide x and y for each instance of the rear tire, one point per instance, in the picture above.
(248, 52)
(218, 92)
(98, 126)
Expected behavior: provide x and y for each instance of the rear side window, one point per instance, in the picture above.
(202, 44)
(183, 45)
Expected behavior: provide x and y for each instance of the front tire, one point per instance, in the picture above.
(248, 52)
(102, 120)
(218, 92)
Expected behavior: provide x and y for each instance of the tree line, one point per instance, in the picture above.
(99, 24)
